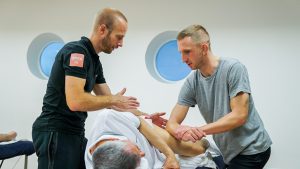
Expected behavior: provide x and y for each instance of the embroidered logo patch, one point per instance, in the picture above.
(76, 59)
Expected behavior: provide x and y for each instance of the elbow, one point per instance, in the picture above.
(241, 122)
(75, 102)
(242, 119)
(74, 106)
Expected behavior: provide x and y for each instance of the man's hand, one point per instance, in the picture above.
(193, 134)
(122, 102)
(187, 133)
(179, 132)
(171, 163)
(157, 119)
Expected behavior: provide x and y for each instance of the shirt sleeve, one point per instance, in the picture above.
(76, 64)
(119, 123)
(238, 80)
(187, 93)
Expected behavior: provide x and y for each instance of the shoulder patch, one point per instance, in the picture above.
(77, 59)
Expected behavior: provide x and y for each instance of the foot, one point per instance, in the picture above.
(11, 135)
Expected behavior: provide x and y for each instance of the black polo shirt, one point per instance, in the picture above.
(77, 59)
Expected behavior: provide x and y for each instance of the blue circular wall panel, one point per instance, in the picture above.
(169, 64)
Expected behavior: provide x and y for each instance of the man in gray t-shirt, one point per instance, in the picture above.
(221, 89)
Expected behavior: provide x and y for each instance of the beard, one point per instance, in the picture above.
(107, 47)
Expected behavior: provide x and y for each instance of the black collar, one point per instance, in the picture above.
(89, 46)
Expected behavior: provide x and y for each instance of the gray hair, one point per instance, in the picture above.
(197, 32)
(113, 155)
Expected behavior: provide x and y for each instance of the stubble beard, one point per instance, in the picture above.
(107, 45)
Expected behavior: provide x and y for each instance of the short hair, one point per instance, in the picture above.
(113, 155)
(197, 32)
(109, 17)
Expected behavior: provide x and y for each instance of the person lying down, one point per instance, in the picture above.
(124, 140)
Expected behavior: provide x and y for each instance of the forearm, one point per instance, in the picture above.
(177, 116)
(155, 139)
(229, 122)
(180, 147)
(172, 126)
(236, 118)
(137, 112)
(89, 102)
(102, 89)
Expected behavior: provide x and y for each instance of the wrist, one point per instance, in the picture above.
(143, 113)
(136, 112)
(113, 101)
(169, 153)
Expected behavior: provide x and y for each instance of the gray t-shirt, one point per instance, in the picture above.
(212, 95)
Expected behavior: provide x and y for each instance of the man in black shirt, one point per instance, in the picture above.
(58, 133)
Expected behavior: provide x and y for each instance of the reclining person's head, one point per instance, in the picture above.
(115, 155)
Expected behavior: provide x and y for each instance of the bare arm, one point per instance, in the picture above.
(159, 143)
(177, 116)
(102, 89)
(79, 100)
(181, 147)
(236, 118)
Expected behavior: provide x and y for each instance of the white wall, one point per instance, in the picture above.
(263, 34)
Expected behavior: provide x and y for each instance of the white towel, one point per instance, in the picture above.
(202, 160)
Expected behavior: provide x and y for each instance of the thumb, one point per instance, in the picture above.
(122, 91)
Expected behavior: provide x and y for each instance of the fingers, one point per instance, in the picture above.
(130, 103)
(198, 133)
(189, 136)
(124, 102)
(201, 132)
(162, 123)
(133, 105)
(157, 116)
(179, 132)
(118, 109)
(193, 134)
(131, 98)
(159, 113)
(187, 133)
(157, 119)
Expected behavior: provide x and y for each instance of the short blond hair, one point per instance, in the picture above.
(109, 17)
(197, 32)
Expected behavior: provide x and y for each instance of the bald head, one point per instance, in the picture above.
(108, 17)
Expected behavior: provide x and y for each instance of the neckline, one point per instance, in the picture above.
(90, 47)
(214, 73)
